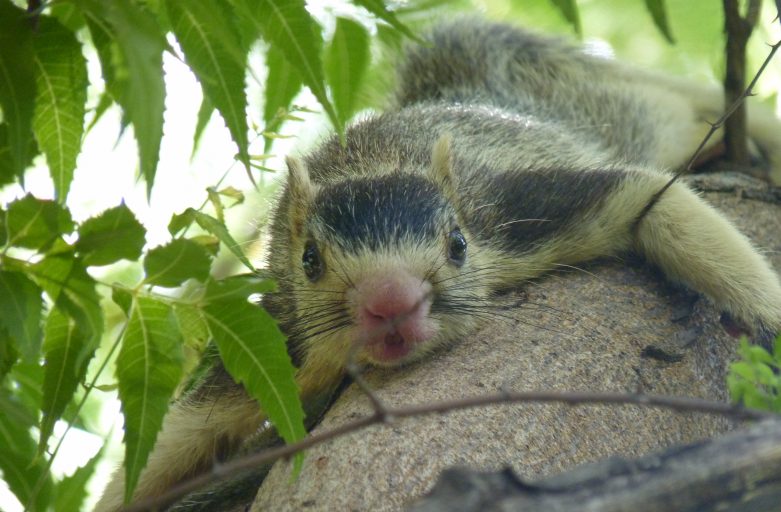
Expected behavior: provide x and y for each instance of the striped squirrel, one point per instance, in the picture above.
(506, 155)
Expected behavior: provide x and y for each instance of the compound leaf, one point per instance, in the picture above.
(130, 46)
(72, 490)
(378, 8)
(61, 84)
(17, 74)
(172, 264)
(287, 25)
(23, 470)
(71, 289)
(67, 352)
(111, 236)
(149, 367)
(254, 352)
(213, 50)
(36, 223)
(20, 313)
(282, 85)
(346, 62)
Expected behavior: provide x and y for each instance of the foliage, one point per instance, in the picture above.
(755, 380)
(54, 312)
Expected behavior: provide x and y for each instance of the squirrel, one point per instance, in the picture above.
(505, 155)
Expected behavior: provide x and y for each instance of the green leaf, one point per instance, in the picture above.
(66, 282)
(130, 46)
(233, 193)
(287, 25)
(8, 353)
(17, 76)
(111, 236)
(28, 382)
(103, 105)
(743, 369)
(345, 65)
(72, 490)
(218, 229)
(757, 354)
(68, 352)
(569, 9)
(172, 264)
(61, 83)
(149, 367)
(21, 466)
(254, 352)
(204, 115)
(209, 242)
(8, 167)
(282, 86)
(180, 221)
(36, 223)
(122, 298)
(192, 325)
(239, 287)
(20, 313)
(378, 8)
(659, 14)
(213, 50)
(215, 227)
(68, 14)
(216, 201)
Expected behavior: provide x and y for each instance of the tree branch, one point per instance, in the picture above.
(234, 467)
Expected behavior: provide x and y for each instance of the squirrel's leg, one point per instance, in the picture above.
(211, 424)
(694, 244)
(196, 433)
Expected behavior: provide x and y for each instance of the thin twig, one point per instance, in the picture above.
(713, 128)
(354, 371)
(234, 467)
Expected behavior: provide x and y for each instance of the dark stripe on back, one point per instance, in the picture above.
(520, 209)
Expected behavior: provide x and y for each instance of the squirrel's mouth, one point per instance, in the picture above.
(390, 348)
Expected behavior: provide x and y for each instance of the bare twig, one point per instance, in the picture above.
(354, 371)
(714, 127)
(232, 468)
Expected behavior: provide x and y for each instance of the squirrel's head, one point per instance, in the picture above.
(381, 265)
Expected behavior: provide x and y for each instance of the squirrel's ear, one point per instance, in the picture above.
(301, 192)
(441, 170)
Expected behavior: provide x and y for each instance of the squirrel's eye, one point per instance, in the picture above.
(312, 262)
(456, 247)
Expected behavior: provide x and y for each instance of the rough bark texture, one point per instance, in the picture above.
(740, 472)
(613, 326)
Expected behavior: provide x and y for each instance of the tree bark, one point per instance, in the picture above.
(739, 472)
(611, 326)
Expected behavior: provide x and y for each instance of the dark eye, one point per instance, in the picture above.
(456, 247)
(312, 262)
